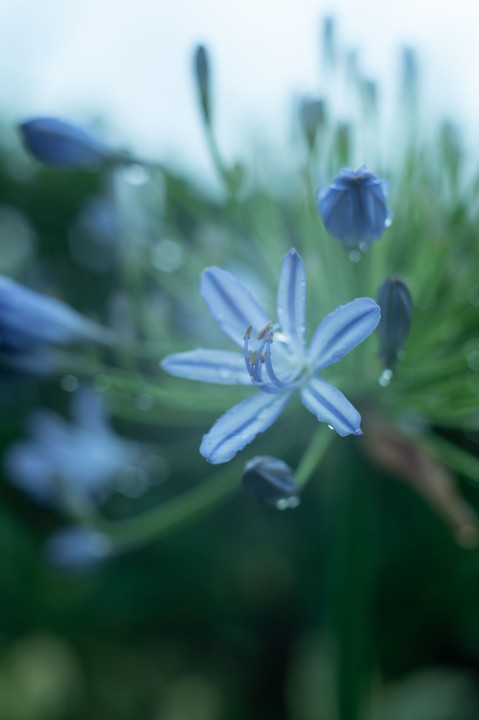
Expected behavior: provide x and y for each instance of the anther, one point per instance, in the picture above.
(262, 332)
(248, 332)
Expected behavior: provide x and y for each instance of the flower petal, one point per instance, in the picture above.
(330, 406)
(342, 330)
(291, 298)
(240, 425)
(231, 304)
(215, 366)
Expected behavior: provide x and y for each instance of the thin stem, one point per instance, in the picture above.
(182, 509)
(319, 443)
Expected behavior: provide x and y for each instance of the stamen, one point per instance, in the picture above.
(269, 367)
(262, 332)
(254, 361)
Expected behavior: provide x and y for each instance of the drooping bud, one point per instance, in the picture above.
(395, 302)
(202, 74)
(61, 145)
(353, 207)
(271, 481)
(313, 114)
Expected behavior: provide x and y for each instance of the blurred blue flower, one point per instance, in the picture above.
(31, 322)
(72, 464)
(61, 145)
(271, 481)
(240, 317)
(353, 208)
(395, 302)
(77, 549)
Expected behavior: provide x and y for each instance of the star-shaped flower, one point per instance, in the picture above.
(294, 368)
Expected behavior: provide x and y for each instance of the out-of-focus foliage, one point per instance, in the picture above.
(179, 596)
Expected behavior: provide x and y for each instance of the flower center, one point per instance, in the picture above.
(260, 358)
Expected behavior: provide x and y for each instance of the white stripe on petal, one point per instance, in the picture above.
(231, 304)
(240, 425)
(342, 330)
(215, 366)
(330, 406)
(291, 298)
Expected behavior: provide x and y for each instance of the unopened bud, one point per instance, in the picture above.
(395, 302)
(271, 481)
(202, 73)
(313, 114)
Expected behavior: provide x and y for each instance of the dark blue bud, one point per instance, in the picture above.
(313, 115)
(271, 481)
(61, 145)
(202, 74)
(395, 302)
(353, 208)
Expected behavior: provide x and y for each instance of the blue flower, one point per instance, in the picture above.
(72, 464)
(31, 322)
(353, 207)
(78, 549)
(61, 145)
(294, 368)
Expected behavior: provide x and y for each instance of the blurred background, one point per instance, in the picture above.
(363, 602)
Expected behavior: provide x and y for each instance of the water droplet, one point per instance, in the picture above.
(144, 402)
(288, 503)
(385, 377)
(355, 256)
(167, 255)
(388, 222)
(69, 383)
(330, 427)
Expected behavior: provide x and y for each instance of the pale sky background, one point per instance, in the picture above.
(129, 62)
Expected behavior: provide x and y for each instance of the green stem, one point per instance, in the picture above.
(182, 509)
(319, 443)
(352, 579)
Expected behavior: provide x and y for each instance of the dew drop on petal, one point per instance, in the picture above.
(330, 427)
(385, 377)
(388, 222)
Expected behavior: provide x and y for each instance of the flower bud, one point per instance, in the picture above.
(395, 302)
(353, 208)
(272, 482)
(61, 145)
(202, 73)
(312, 113)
